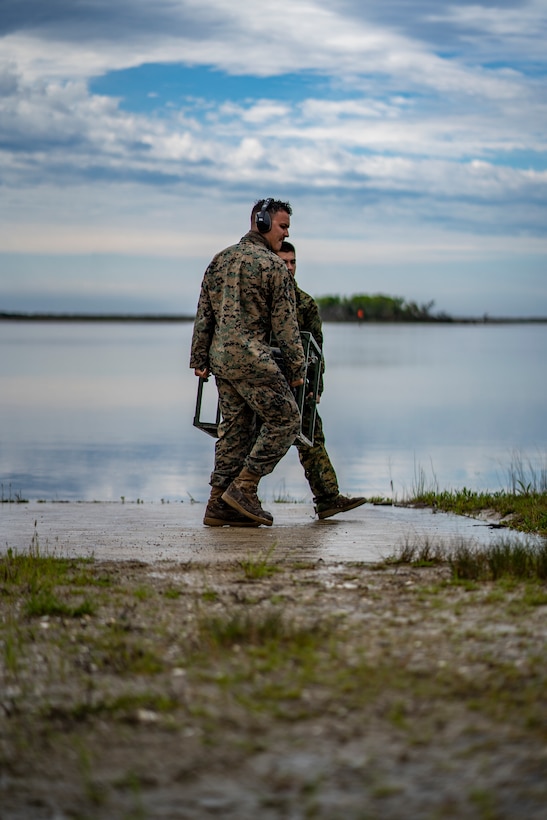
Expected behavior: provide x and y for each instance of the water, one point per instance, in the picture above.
(104, 411)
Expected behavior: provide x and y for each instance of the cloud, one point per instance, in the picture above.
(518, 23)
(411, 121)
(86, 39)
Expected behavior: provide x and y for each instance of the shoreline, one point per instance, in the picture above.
(151, 532)
(266, 685)
(15, 316)
(91, 317)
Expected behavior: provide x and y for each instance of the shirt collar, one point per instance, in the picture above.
(256, 238)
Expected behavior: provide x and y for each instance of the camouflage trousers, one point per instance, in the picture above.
(317, 465)
(244, 442)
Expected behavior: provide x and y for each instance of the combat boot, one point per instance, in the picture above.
(219, 514)
(241, 495)
(338, 504)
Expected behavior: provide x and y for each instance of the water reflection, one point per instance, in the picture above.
(102, 411)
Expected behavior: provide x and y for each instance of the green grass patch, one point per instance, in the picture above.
(209, 596)
(143, 593)
(45, 602)
(504, 560)
(43, 582)
(424, 553)
(524, 511)
(172, 593)
(261, 566)
(32, 569)
(125, 653)
(522, 506)
(267, 663)
(124, 706)
(245, 627)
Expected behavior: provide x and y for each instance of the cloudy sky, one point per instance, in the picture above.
(410, 138)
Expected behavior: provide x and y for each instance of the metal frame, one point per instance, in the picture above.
(209, 427)
(304, 395)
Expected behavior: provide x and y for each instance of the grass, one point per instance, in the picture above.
(523, 511)
(44, 602)
(41, 576)
(522, 506)
(255, 568)
(240, 627)
(419, 553)
(371, 658)
(126, 708)
(272, 666)
(123, 652)
(269, 648)
(503, 560)
(15, 497)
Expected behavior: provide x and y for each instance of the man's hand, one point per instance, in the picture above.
(203, 374)
(297, 383)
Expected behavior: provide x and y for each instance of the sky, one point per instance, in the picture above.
(409, 137)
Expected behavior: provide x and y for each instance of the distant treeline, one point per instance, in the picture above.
(358, 308)
(363, 307)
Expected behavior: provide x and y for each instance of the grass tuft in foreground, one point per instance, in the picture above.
(505, 559)
(385, 679)
(42, 577)
(260, 566)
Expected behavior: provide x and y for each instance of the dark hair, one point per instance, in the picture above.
(287, 247)
(274, 206)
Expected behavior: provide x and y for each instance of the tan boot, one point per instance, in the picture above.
(241, 495)
(220, 514)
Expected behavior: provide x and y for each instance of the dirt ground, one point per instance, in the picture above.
(271, 687)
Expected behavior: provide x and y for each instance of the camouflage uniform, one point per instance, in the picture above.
(315, 460)
(246, 294)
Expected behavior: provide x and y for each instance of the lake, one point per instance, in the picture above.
(101, 411)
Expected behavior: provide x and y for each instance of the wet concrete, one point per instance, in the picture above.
(175, 532)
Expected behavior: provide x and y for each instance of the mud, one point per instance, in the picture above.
(280, 673)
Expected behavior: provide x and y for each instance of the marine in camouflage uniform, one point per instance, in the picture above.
(247, 294)
(318, 469)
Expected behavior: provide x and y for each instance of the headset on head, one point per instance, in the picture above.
(263, 219)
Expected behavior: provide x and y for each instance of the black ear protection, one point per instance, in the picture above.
(263, 219)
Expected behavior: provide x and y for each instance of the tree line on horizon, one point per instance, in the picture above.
(363, 307)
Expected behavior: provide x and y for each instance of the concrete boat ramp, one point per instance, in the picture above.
(151, 532)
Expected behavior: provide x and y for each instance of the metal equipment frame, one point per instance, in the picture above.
(305, 395)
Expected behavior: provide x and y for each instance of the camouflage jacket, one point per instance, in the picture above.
(309, 320)
(246, 294)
